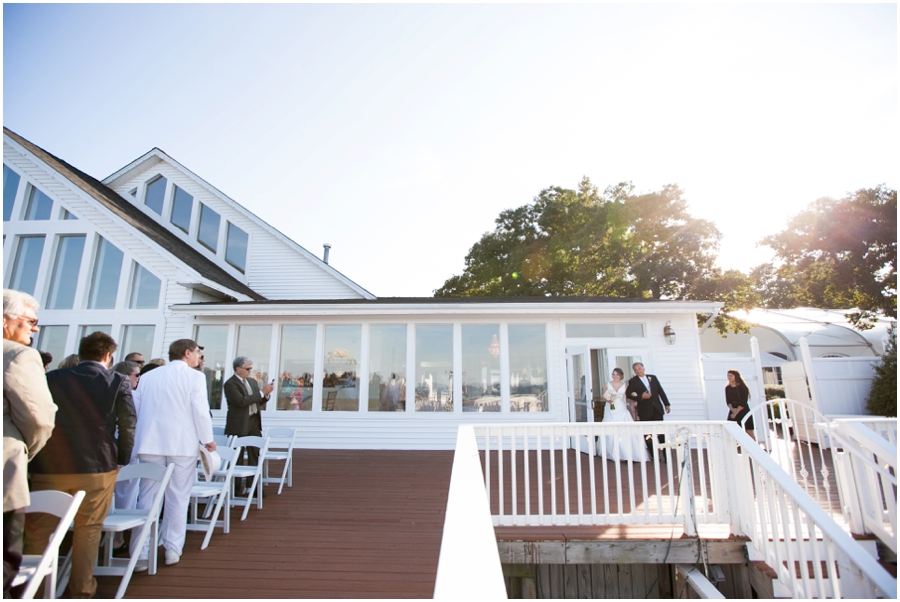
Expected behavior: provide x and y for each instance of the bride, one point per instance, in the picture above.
(631, 447)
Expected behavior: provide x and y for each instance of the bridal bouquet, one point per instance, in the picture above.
(608, 395)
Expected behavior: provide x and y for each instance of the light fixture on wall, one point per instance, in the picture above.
(669, 333)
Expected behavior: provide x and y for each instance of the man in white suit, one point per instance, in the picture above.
(173, 420)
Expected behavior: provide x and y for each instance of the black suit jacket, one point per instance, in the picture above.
(92, 402)
(239, 421)
(647, 409)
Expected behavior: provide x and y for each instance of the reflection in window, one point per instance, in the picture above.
(341, 382)
(67, 215)
(236, 247)
(298, 351)
(434, 368)
(208, 232)
(156, 192)
(387, 368)
(52, 339)
(481, 367)
(26, 264)
(574, 331)
(255, 342)
(527, 368)
(105, 281)
(213, 339)
(182, 205)
(144, 289)
(10, 188)
(89, 328)
(39, 205)
(137, 339)
(64, 278)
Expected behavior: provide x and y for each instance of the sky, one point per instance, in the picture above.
(398, 133)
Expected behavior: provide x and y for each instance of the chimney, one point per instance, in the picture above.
(327, 248)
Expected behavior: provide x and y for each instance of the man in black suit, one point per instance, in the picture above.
(83, 453)
(651, 400)
(245, 403)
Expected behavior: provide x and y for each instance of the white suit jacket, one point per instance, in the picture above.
(173, 411)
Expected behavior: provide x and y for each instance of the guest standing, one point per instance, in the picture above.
(737, 397)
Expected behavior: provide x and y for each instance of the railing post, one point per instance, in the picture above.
(848, 488)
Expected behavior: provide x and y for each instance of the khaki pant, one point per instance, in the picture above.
(98, 489)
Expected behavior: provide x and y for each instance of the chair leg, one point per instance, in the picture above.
(212, 522)
(285, 473)
(63, 572)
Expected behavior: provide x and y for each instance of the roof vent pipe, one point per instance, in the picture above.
(327, 248)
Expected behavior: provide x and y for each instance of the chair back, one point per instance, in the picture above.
(218, 430)
(145, 470)
(281, 437)
(221, 440)
(252, 441)
(65, 507)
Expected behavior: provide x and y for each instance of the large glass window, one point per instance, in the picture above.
(10, 188)
(434, 367)
(89, 328)
(213, 339)
(208, 232)
(387, 368)
(481, 367)
(341, 381)
(182, 205)
(137, 339)
(255, 342)
(576, 331)
(64, 278)
(52, 339)
(144, 289)
(26, 264)
(39, 206)
(236, 247)
(105, 281)
(298, 352)
(527, 368)
(68, 215)
(156, 193)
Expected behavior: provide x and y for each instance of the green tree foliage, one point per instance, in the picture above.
(882, 400)
(836, 254)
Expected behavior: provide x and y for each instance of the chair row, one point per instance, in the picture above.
(280, 449)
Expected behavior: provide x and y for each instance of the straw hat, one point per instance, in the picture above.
(210, 461)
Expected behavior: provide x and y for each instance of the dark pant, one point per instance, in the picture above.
(249, 457)
(13, 528)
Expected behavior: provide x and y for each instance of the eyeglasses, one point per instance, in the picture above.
(138, 362)
(32, 321)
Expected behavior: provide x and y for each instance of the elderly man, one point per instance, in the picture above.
(173, 420)
(28, 418)
(245, 402)
(652, 401)
(93, 437)
(136, 358)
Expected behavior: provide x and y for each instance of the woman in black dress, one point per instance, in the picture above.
(737, 396)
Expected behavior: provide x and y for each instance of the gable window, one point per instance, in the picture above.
(182, 205)
(10, 188)
(133, 193)
(39, 205)
(156, 191)
(236, 247)
(67, 215)
(105, 281)
(144, 289)
(64, 278)
(138, 339)
(208, 232)
(52, 339)
(26, 264)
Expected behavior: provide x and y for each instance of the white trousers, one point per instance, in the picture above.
(177, 499)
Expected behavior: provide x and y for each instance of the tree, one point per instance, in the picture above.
(837, 254)
(882, 400)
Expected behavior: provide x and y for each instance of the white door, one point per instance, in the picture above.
(624, 359)
(578, 363)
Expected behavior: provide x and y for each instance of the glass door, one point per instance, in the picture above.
(578, 364)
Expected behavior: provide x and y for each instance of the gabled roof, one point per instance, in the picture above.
(160, 155)
(138, 220)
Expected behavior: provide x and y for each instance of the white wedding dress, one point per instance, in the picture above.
(631, 447)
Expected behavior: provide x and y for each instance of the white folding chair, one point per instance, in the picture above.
(218, 430)
(34, 568)
(251, 471)
(281, 447)
(222, 439)
(220, 491)
(123, 520)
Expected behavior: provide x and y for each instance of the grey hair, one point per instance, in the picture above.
(239, 362)
(637, 364)
(15, 302)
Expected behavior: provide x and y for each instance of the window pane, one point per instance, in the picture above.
(255, 342)
(39, 205)
(182, 205)
(298, 352)
(208, 233)
(236, 247)
(105, 281)
(387, 368)
(66, 214)
(156, 191)
(65, 272)
(481, 367)
(527, 368)
(604, 330)
(145, 289)
(88, 329)
(340, 382)
(434, 368)
(213, 339)
(27, 262)
(137, 339)
(52, 339)
(10, 187)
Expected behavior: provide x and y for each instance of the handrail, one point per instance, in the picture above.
(469, 562)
